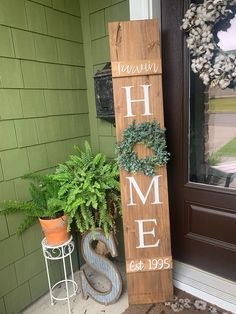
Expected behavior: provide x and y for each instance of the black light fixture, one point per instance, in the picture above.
(104, 94)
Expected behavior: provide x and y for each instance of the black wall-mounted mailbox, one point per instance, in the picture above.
(104, 94)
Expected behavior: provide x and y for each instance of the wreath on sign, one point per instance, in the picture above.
(149, 134)
(201, 23)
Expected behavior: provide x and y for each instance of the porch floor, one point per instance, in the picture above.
(89, 306)
(78, 304)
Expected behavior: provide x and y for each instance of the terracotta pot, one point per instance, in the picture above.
(55, 230)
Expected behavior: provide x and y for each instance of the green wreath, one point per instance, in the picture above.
(149, 134)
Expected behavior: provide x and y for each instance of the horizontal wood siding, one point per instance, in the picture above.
(43, 113)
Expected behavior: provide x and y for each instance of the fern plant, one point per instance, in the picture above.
(90, 190)
(44, 201)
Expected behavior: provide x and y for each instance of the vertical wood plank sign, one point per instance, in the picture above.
(137, 89)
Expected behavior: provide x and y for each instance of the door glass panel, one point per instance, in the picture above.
(212, 147)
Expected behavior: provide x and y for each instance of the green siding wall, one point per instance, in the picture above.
(43, 113)
(95, 18)
(46, 84)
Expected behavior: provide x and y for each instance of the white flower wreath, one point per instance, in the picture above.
(215, 66)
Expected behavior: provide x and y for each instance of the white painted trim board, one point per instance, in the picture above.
(204, 285)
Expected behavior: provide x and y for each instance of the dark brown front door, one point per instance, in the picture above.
(201, 134)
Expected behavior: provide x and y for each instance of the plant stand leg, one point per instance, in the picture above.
(49, 281)
(66, 282)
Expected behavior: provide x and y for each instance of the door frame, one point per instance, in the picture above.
(202, 284)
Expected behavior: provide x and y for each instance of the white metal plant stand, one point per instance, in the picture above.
(61, 252)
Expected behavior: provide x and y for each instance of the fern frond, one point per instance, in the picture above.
(86, 217)
(78, 223)
(28, 222)
(70, 220)
(37, 178)
(88, 149)
(55, 204)
(11, 207)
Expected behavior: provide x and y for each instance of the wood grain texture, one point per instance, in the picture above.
(130, 42)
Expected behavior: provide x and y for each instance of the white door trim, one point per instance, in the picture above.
(144, 9)
(204, 285)
(140, 9)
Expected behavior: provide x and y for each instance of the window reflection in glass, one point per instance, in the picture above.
(212, 135)
(212, 149)
(227, 41)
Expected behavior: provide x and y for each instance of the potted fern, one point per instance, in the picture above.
(90, 190)
(44, 205)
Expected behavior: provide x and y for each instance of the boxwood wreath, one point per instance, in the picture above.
(201, 23)
(149, 134)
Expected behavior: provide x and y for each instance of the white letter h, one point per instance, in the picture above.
(129, 101)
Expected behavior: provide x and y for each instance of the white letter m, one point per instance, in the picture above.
(143, 198)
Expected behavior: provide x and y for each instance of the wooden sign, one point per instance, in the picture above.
(137, 67)
(137, 88)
